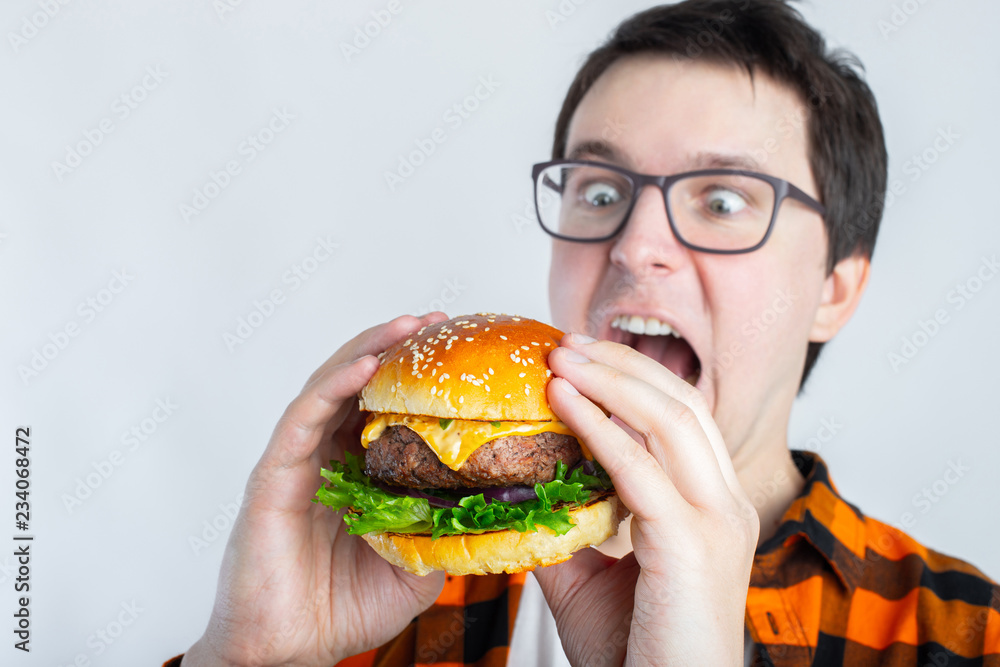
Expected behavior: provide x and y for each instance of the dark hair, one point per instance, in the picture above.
(846, 147)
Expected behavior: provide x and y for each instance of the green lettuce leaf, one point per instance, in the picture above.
(376, 510)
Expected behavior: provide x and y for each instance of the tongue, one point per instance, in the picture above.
(673, 353)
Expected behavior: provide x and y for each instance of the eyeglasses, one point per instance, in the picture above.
(722, 211)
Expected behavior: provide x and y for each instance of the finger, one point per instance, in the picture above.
(377, 339)
(290, 463)
(287, 475)
(639, 480)
(556, 581)
(639, 365)
(670, 430)
(371, 341)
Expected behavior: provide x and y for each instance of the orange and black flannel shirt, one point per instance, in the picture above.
(831, 587)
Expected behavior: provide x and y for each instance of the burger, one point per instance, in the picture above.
(466, 468)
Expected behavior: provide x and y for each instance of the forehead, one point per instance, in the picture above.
(662, 115)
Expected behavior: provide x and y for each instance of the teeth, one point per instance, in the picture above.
(637, 325)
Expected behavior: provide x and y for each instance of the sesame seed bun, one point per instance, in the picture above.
(485, 367)
(503, 550)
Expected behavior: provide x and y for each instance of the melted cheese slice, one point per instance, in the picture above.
(455, 443)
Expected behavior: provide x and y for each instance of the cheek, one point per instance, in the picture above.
(575, 273)
(763, 306)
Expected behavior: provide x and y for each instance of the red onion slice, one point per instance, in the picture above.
(507, 494)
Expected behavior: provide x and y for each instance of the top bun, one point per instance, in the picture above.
(486, 367)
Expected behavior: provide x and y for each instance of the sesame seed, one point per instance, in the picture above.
(434, 372)
(463, 377)
(444, 376)
(506, 395)
(525, 347)
(487, 328)
(526, 391)
(548, 373)
(469, 339)
(487, 387)
(522, 375)
(513, 357)
(433, 391)
(548, 345)
(461, 399)
(534, 343)
(503, 337)
(399, 384)
(524, 362)
(420, 375)
(454, 409)
(516, 319)
(531, 361)
(393, 389)
(424, 368)
(408, 341)
(440, 364)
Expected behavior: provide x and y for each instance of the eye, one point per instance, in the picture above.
(721, 201)
(600, 194)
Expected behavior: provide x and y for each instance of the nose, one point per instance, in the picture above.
(647, 245)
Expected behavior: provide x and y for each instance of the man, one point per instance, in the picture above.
(747, 183)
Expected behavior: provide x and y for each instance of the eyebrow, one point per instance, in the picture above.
(597, 148)
(711, 160)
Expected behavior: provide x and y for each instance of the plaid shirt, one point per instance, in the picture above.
(834, 587)
(831, 587)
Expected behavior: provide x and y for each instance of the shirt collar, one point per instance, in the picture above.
(834, 527)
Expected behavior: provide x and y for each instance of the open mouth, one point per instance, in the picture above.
(659, 341)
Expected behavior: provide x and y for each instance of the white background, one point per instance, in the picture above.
(452, 227)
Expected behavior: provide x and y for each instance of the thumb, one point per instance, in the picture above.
(287, 473)
(558, 582)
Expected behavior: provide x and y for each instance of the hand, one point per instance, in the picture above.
(679, 598)
(295, 588)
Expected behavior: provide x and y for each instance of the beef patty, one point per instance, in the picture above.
(401, 458)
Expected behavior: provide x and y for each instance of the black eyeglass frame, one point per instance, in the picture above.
(782, 190)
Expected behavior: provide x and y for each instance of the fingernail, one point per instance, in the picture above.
(581, 339)
(568, 388)
(575, 357)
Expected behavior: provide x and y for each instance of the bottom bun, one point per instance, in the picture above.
(503, 550)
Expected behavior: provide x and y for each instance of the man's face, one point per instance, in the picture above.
(745, 319)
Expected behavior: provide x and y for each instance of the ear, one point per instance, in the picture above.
(841, 294)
